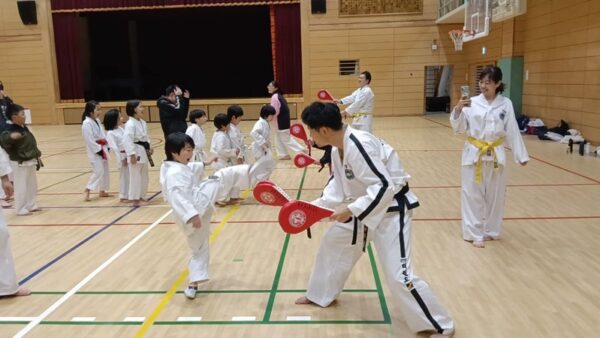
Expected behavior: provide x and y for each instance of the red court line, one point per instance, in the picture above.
(535, 158)
(273, 221)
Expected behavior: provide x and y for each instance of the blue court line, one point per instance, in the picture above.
(61, 256)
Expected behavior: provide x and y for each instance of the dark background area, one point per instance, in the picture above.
(213, 52)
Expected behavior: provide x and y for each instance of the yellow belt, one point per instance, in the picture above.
(484, 147)
(361, 114)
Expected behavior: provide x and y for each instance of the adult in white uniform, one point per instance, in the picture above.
(192, 200)
(8, 276)
(115, 135)
(283, 140)
(96, 148)
(369, 192)
(136, 144)
(198, 118)
(360, 103)
(489, 121)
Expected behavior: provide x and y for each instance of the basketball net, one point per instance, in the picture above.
(457, 37)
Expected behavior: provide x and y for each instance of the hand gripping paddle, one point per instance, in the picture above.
(302, 160)
(268, 193)
(324, 95)
(297, 216)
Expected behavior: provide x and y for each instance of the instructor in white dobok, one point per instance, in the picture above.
(489, 122)
(369, 191)
(360, 103)
(8, 276)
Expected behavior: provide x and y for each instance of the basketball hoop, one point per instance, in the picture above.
(457, 37)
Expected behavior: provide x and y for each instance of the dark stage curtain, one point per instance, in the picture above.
(79, 5)
(287, 49)
(66, 40)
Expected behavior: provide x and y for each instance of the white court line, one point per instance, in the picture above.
(242, 318)
(189, 319)
(134, 319)
(293, 318)
(87, 279)
(83, 319)
(16, 319)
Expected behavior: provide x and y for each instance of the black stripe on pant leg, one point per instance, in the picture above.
(414, 291)
(426, 310)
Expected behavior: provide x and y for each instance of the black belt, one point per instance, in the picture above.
(146, 146)
(403, 203)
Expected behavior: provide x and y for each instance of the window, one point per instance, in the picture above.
(349, 67)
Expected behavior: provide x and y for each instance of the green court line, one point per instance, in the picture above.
(42, 293)
(271, 302)
(213, 322)
(384, 309)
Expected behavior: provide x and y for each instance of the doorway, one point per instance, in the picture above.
(438, 82)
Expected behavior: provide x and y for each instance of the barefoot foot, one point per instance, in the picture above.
(478, 244)
(303, 301)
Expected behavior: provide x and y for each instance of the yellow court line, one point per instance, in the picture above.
(173, 289)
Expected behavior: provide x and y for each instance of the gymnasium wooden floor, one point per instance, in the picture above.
(106, 269)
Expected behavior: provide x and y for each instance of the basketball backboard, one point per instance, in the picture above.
(477, 19)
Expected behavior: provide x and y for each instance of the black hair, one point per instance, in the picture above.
(170, 89)
(13, 110)
(495, 74)
(90, 106)
(276, 85)
(267, 110)
(220, 120)
(175, 142)
(234, 110)
(130, 107)
(111, 119)
(319, 114)
(196, 114)
(367, 75)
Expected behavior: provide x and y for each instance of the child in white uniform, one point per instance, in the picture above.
(235, 114)
(261, 135)
(115, 135)
(197, 119)
(227, 155)
(97, 150)
(138, 150)
(192, 200)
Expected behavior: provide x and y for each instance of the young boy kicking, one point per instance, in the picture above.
(192, 199)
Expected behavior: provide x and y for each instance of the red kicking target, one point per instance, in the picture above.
(324, 95)
(268, 193)
(297, 216)
(302, 160)
(297, 130)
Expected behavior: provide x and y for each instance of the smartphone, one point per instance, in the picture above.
(464, 92)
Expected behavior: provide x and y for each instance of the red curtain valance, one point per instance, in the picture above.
(110, 5)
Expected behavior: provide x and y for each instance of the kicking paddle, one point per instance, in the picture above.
(297, 216)
(324, 95)
(268, 193)
(301, 160)
(298, 131)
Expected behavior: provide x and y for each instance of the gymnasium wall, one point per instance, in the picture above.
(26, 62)
(394, 48)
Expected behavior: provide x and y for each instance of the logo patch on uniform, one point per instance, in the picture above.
(349, 173)
(502, 114)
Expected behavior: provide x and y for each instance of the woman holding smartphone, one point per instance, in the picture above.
(489, 122)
